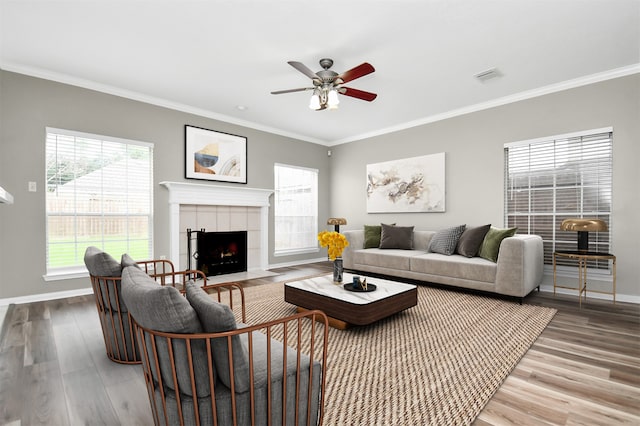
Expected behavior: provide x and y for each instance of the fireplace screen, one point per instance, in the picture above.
(221, 253)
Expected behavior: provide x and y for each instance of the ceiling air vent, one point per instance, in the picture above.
(488, 74)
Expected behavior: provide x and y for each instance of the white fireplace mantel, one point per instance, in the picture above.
(181, 193)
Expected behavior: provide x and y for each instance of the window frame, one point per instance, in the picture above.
(313, 247)
(603, 270)
(79, 270)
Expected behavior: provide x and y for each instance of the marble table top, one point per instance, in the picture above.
(325, 286)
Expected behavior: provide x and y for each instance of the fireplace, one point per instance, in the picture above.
(218, 208)
(219, 253)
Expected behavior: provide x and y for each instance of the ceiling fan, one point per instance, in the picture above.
(328, 83)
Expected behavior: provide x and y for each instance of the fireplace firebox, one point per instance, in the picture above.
(220, 253)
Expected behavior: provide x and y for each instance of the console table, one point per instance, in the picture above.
(583, 257)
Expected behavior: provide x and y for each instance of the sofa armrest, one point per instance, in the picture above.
(356, 242)
(520, 265)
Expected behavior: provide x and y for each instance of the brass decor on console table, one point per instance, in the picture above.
(336, 222)
(583, 255)
(583, 227)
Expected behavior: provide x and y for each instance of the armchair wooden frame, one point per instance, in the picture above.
(115, 320)
(305, 333)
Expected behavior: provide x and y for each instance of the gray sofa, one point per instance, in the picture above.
(518, 270)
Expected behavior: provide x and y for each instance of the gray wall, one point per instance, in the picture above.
(473, 144)
(30, 104)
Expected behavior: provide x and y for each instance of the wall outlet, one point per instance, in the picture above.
(32, 187)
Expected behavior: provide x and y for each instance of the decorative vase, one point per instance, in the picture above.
(337, 270)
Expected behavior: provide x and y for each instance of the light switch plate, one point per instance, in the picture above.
(32, 187)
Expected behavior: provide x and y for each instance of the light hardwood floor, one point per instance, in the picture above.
(584, 368)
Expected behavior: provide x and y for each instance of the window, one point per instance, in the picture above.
(551, 179)
(99, 192)
(296, 209)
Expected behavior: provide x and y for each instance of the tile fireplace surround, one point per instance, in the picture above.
(218, 208)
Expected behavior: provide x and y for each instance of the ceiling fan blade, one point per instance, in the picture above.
(360, 94)
(357, 72)
(303, 69)
(302, 89)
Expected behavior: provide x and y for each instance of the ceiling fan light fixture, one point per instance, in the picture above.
(332, 99)
(314, 102)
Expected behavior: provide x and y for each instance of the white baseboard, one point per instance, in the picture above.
(592, 295)
(299, 262)
(45, 296)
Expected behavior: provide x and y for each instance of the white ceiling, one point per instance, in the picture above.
(208, 57)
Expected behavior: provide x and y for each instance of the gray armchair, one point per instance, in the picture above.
(115, 320)
(201, 366)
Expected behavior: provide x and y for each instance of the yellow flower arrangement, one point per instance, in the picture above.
(334, 241)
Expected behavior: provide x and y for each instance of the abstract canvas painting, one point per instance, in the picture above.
(409, 185)
(213, 155)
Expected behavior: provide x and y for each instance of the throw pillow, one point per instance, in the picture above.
(446, 240)
(127, 260)
(471, 239)
(490, 246)
(215, 318)
(396, 237)
(372, 236)
(101, 264)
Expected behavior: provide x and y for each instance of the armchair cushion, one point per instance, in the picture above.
(101, 264)
(127, 260)
(216, 317)
(163, 308)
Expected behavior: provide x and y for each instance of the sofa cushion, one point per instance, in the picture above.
(396, 237)
(490, 246)
(215, 318)
(101, 264)
(455, 266)
(384, 258)
(446, 240)
(471, 239)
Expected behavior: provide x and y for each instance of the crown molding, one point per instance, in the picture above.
(132, 95)
(529, 94)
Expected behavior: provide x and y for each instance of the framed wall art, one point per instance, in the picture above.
(213, 155)
(409, 185)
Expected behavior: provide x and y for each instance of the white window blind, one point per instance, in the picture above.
(295, 209)
(99, 193)
(551, 179)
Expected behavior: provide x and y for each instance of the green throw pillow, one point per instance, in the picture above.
(491, 244)
(372, 236)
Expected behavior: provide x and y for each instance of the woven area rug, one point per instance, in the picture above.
(437, 363)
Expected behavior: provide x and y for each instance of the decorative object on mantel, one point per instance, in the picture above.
(414, 184)
(336, 222)
(583, 226)
(213, 155)
(335, 243)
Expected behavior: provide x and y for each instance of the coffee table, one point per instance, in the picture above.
(345, 308)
